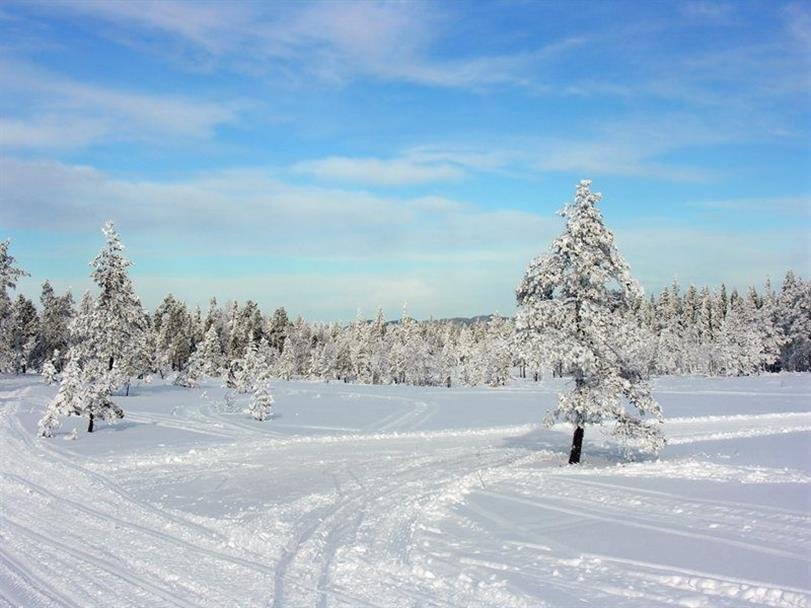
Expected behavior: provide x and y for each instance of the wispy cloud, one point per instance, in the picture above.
(634, 146)
(712, 11)
(797, 16)
(333, 42)
(54, 111)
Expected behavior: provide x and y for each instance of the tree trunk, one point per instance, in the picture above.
(90, 425)
(110, 364)
(577, 445)
(127, 394)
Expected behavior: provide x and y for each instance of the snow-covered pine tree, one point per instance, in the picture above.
(794, 306)
(669, 347)
(211, 351)
(465, 355)
(497, 351)
(343, 359)
(251, 322)
(9, 275)
(577, 297)
(360, 348)
(22, 334)
(81, 393)
(261, 403)
(173, 326)
(762, 316)
(720, 308)
(379, 352)
(92, 371)
(277, 329)
(740, 349)
(692, 352)
(194, 371)
(49, 373)
(68, 401)
(54, 329)
(322, 365)
(118, 319)
(446, 358)
(107, 342)
(772, 331)
(197, 329)
(295, 359)
(248, 371)
(156, 361)
(286, 363)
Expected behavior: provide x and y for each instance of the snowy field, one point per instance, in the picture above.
(401, 496)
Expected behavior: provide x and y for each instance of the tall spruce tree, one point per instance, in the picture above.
(578, 297)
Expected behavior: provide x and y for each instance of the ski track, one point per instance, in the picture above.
(408, 517)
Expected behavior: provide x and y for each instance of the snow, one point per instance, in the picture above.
(357, 495)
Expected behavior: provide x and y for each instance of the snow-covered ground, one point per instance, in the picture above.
(402, 496)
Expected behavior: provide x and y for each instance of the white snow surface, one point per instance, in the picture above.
(406, 496)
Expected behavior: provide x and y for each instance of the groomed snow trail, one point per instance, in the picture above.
(401, 496)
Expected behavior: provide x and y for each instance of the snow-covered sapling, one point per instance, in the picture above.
(67, 401)
(81, 393)
(261, 403)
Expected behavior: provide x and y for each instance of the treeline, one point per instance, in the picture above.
(728, 333)
(692, 331)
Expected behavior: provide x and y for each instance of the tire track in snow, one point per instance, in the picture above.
(83, 556)
(163, 537)
(29, 586)
(590, 514)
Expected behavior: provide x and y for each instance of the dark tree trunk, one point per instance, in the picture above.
(577, 445)
(90, 425)
(448, 380)
(110, 364)
(127, 394)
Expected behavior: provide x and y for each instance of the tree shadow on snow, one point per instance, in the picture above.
(103, 427)
(596, 453)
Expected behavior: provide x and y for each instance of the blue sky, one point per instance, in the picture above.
(335, 156)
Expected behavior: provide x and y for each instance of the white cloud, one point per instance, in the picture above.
(50, 132)
(659, 254)
(251, 210)
(445, 257)
(375, 171)
(782, 205)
